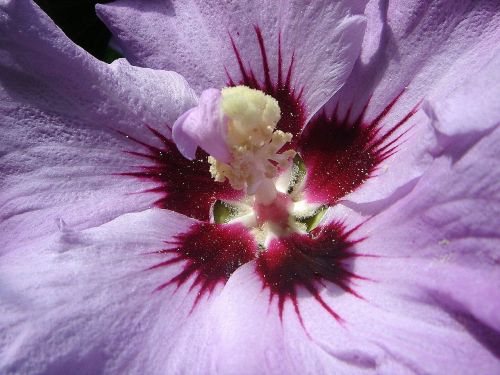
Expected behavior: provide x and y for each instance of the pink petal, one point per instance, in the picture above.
(60, 113)
(210, 254)
(457, 118)
(450, 221)
(85, 302)
(308, 261)
(131, 296)
(388, 334)
(429, 49)
(203, 126)
(192, 37)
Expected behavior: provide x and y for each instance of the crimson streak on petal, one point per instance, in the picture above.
(187, 186)
(209, 254)
(340, 155)
(308, 261)
(293, 114)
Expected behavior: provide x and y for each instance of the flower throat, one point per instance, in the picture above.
(273, 205)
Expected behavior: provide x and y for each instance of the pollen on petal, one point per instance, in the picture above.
(308, 261)
(183, 185)
(341, 154)
(209, 254)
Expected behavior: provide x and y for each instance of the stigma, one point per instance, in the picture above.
(237, 128)
(253, 143)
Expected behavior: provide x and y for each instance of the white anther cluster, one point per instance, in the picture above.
(252, 139)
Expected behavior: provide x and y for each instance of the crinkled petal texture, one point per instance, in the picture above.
(428, 49)
(193, 38)
(61, 113)
(84, 302)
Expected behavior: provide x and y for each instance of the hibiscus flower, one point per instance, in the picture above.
(122, 256)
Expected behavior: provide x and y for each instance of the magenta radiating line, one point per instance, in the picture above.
(185, 186)
(280, 61)
(265, 63)
(209, 254)
(308, 261)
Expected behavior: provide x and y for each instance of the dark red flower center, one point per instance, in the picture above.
(338, 156)
(308, 261)
(209, 254)
(185, 186)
